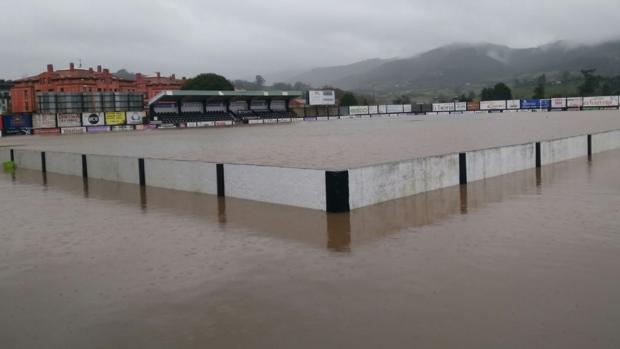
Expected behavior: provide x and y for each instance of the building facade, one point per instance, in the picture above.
(24, 91)
(5, 96)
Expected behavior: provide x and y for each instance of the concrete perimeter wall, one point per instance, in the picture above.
(563, 149)
(494, 162)
(64, 163)
(113, 168)
(190, 176)
(5, 154)
(375, 184)
(286, 186)
(336, 191)
(29, 159)
(605, 141)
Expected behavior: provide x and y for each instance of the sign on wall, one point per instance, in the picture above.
(558, 103)
(69, 120)
(326, 97)
(44, 121)
(492, 105)
(600, 101)
(574, 102)
(395, 108)
(135, 117)
(358, 110)
(513, 104)
(440, 107)
(115, 118)
(93, 119)
(530, 104)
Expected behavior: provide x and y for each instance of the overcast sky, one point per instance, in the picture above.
(242, 38)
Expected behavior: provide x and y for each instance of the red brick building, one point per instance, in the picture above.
(23, 92)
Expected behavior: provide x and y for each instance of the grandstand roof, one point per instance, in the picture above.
(189, 95)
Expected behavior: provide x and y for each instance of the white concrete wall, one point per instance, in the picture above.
(563, 149)
(278, 185)
(605, 141)
(64, 163)
(113, 168)
(5, 154)
(29, 159)
(375, 184)
(494, 162)
(193, 176)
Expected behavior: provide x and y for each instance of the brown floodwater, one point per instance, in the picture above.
(335, 144)
(526, 260)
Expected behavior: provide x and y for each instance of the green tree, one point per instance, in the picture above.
(260, 81)
(539, 91)
(245, 85)
(591, 83)
(300, 86)
(282, 86)
(487, 94)
(471, 96)
(502, 92)
(208, 82)
(348, 99)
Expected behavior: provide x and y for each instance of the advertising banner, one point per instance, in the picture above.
(492, 105)
(558, 103)
(284, 120)
(373, 109)
(601, 101)
(255, 121)
(574, 102)
(135, 117)
(97, 129)
(358, 110)
(122, 128)
(460, 106)
(72, 130)
(93, 119)
(545, 104)
(441, 107)
(327, 97)
(69, 120)
(382, 109)
(224, 123)
(407, 108)
(473, 105)
(530, 104)
(513, 104)
(46, 131)
(395, 108)
(115, 118)
(44, 121)
(210, 123)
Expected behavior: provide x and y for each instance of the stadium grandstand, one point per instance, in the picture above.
(189, 107)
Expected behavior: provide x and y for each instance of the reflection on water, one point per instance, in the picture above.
(337, 232)
(524, 260)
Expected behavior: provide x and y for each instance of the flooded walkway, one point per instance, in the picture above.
(529, 259)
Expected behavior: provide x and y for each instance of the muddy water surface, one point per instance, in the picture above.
(335, 144)
(526, 260)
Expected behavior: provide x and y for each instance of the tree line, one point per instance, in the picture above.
(216, 82)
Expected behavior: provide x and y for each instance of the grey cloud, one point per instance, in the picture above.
(241, 38)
